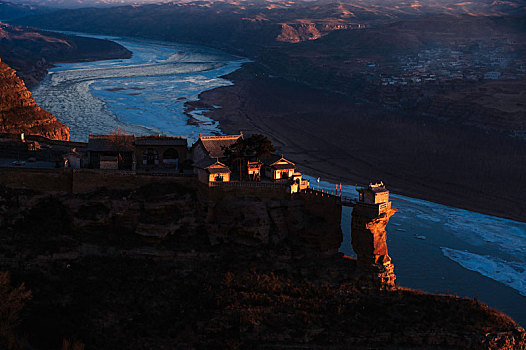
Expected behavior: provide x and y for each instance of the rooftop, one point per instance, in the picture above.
(377, 187)
(273, 159)
(215, 145)
(160, 140)
(283, 166)
(213, 166)
(110, 143)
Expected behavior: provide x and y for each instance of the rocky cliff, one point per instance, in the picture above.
(369, 242)
(20, 114)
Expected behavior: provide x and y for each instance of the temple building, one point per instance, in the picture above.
(111, 152)
(211, 171)
(160, 152)
(374, 198)
(278, 168)
(213, 147)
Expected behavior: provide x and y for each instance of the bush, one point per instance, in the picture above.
(12, 301)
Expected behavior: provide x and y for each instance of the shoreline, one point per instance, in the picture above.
(250, 104)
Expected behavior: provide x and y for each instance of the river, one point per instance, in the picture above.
(434, 247)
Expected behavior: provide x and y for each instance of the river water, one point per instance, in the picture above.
(434, 247)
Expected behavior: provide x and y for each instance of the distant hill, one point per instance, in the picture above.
(245, 25)
(11, 10)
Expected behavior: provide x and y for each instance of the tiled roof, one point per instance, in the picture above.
(218, 170)
(377, 187)
(110, 143)
(283, 166)
(205, 163)
(214, 145)
(276, 158)
(160, 141)
(213, 166)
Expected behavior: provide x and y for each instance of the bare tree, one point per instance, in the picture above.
(120, 139)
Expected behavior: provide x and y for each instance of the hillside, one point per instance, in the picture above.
(11, 10)
(20, 114)
(165, 266)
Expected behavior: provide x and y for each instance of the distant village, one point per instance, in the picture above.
(214, 160)
(475, 62)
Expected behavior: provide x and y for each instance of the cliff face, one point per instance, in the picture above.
(306, 222)
(369, 241)
(303, 29)
(20, 114)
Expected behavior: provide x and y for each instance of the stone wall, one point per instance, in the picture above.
(79, 180)
(54, 180)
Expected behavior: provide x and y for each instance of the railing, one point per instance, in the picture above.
(320, 193)
(173, 174)
(103, 171)
(246, 184)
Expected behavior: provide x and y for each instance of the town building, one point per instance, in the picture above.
(111, 152)
(160, 152)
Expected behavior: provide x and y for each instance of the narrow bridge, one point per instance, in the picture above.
(345, 201)
(348, 201)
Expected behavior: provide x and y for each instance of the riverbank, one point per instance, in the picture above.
(332, 137)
